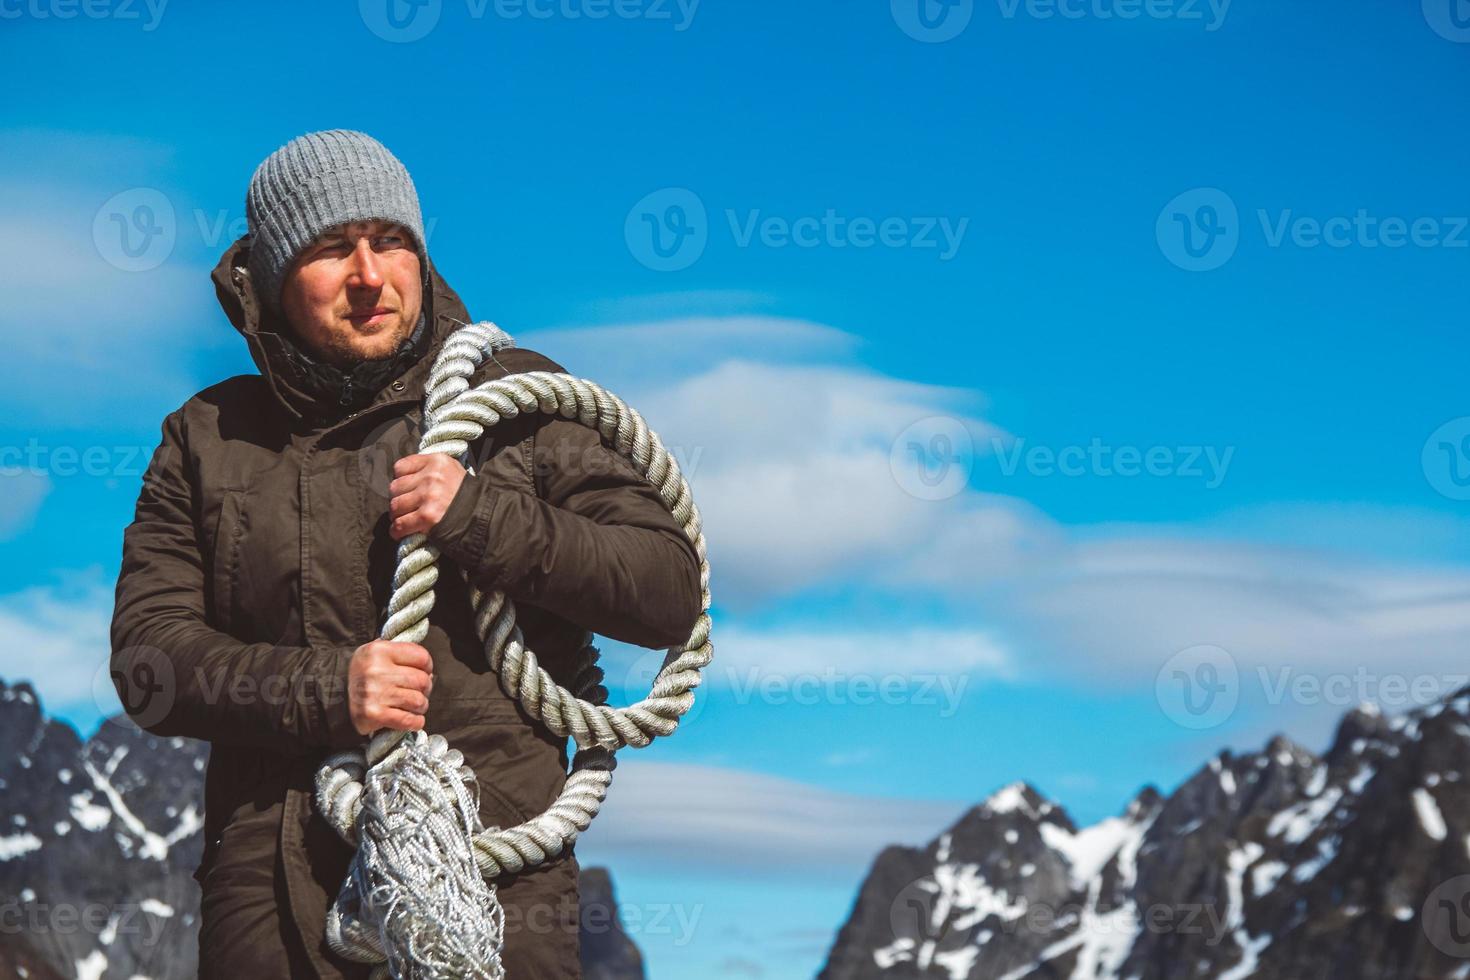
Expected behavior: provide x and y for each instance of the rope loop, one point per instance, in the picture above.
(419, 898)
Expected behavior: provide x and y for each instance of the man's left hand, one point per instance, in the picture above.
(423, 486)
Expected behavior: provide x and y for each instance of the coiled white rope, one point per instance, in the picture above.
(419, 899)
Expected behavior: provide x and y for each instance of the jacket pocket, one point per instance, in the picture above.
(225, 560)
(234, 785)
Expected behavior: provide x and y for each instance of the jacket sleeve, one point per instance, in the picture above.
(177, 675)
(595, 545)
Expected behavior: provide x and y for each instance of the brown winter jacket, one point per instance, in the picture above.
(259, 559)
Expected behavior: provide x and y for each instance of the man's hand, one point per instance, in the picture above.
(388, 685)
(424, 485)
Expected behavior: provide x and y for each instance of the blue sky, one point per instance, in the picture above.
(1026, 372)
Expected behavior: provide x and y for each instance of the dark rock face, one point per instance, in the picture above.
(99, 841)
(607, 952)
(1277, 865)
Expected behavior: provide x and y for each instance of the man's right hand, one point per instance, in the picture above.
(388, 685)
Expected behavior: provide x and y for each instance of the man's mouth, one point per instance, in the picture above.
(368, 317)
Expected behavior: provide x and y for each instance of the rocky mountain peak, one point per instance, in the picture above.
(1268, 864)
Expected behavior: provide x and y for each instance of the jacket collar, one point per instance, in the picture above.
(265, 334)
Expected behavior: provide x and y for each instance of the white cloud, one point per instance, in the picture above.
(797, 652)
(662, 815)
(671, 305)
(976, 539)
(59, 277)
(24, 490)
(57, 637)
(928, 668)
(58, 154)
(1139, 599)
(71, 313)
(638, 356)
(54, 183)
(790, 467)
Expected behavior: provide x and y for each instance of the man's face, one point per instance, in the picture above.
(355, 292)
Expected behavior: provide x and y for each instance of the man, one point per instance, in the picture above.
(256, 572)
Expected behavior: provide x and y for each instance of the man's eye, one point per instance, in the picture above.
(392, 241)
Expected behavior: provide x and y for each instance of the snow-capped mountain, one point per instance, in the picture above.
(99, 841)
(1277, 865)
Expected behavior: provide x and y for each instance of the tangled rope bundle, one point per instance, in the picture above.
(419, 899)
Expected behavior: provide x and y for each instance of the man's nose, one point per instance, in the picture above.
(365, 272)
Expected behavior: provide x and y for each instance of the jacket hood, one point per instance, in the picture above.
(266, 332)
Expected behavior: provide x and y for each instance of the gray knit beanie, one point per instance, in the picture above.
(321, 179)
